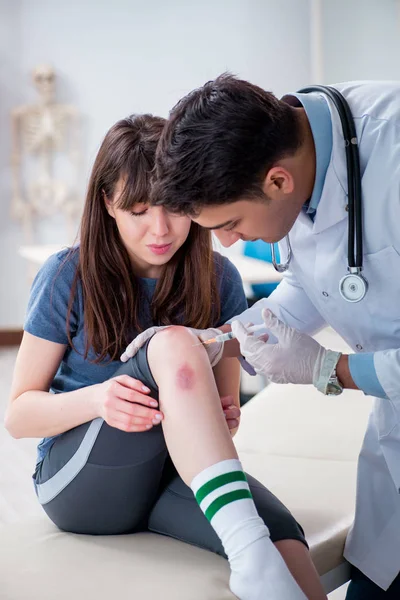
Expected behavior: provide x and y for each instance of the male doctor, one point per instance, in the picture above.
(248, 166)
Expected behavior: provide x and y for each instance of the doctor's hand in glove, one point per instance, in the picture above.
(296, 358)
(214, 351)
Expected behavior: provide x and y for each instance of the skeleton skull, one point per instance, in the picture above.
(43, 79)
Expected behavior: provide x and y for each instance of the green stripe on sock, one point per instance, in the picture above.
(217, 482)
(224, 500)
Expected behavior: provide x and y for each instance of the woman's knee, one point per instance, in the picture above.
(176, 334)
(174, 345)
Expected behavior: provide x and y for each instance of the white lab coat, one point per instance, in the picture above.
(308, 297)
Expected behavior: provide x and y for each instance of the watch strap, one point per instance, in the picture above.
(327, 372)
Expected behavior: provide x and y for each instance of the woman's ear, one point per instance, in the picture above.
(108, 204)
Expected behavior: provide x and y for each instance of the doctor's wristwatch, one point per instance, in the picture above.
(327, 381)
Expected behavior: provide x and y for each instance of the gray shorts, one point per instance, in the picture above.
(98, 480)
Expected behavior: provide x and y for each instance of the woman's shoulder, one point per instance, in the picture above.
(56, 276)
(64, 261)
(48, 303)
(231, 293)
(225, 270)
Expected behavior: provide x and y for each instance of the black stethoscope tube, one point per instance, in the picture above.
(353, 171)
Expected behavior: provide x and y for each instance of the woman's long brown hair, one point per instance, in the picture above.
(186, 292)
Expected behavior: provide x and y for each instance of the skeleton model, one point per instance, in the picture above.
(41, 133)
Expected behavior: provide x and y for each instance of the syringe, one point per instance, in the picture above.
(224, 337)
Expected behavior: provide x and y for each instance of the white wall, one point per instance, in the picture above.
(361, 39)
(132, 56)
(12, 283)
(128, 56)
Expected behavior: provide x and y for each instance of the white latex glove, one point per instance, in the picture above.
(296, 358)
(139, 341)
(214, 351)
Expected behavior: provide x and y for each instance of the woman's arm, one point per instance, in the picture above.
(227, 378)
(34, 412)
(31, 411)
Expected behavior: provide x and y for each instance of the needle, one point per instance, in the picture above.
(224, 337)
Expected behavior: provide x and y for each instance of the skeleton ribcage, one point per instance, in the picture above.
(45, 128)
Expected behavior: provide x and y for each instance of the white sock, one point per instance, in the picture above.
(258, 570)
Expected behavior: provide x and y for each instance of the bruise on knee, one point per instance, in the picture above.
(185, 377)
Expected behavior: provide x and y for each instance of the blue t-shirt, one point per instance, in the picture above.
(47, 316)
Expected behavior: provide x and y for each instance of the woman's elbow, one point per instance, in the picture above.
(11, 424)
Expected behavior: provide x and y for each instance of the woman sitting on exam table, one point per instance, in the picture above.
(122, 442)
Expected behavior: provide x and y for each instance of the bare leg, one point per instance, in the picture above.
(195, 429)
(194, 425)
(298, 560)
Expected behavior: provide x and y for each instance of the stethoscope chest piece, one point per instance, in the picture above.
(353, 287)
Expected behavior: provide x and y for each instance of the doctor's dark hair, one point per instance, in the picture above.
(186, 292)
(219, 143)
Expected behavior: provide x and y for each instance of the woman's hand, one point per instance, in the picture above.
(139, 341)
(124, 404)
(231, 412)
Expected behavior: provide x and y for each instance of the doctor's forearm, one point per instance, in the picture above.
(343, 373)
(363, 372)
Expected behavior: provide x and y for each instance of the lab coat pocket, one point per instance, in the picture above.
(387, 418)
(389, 439)
(382, 272)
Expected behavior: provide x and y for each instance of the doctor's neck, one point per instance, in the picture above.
(303, 162)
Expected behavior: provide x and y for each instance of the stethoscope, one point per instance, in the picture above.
(353, 286)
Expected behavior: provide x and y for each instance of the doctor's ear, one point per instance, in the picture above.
(278, 181)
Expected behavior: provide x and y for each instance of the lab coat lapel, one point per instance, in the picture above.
(332, 207)
(333, 203)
